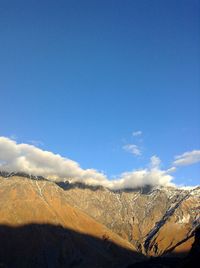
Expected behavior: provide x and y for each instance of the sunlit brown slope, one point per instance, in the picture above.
(155, 222)
(177, 234)
(27, 202)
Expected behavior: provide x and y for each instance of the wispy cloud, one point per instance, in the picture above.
(33, 160)
(133, 149)
(36, 142)
(187, 158)
(137, 133)
(171, 169)
(155, 162)
(13, 137)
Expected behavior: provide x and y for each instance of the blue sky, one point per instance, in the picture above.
(79, 77)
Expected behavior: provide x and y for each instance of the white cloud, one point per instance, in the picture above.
(155, 162)
(187, 158)
(171, 169)
(32, 160)
(137, 133)
(139, 178)
(133, 149)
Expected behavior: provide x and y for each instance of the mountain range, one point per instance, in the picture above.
(46, 223)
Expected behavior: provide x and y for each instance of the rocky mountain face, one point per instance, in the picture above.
(38, 228)
(75, 225)
(156, 221)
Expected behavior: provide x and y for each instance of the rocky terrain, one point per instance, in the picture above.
(36, 220)
(58, 224)
(154, 220)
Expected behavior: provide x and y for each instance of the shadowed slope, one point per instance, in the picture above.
(193, 257)
(45, 245)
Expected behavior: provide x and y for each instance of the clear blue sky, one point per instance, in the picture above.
(81, 76)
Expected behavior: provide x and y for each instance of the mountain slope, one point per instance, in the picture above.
(155, 222)
(99, 227)
(36, 215)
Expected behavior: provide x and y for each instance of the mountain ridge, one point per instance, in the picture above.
(157, 222)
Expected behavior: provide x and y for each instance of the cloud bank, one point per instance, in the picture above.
(32, 160)
(187, 158)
